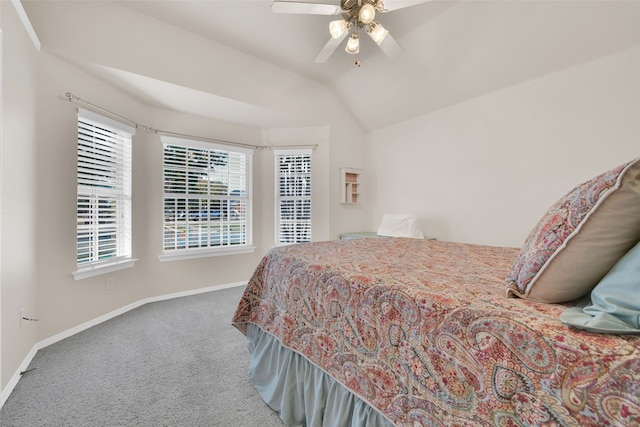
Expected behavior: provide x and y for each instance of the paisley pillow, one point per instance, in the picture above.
(580, 238)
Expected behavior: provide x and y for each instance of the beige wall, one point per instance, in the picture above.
(65, 302)
(38, 182)
(158, 52)
(485, 170)
(19, 202)
(480, 171)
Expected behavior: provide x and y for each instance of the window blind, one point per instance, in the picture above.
(207, 197)
(293, 195)
(104, 190)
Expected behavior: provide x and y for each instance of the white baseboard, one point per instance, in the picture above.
(16, 376)
(69, 332)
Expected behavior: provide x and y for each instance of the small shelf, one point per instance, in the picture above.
(350, 183)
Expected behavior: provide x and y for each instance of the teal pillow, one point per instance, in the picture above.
(615, 301)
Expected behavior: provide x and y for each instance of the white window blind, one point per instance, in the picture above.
(104, 191)
(206, 196)
(293, 195)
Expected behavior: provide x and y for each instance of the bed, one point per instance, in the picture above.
(414, 332)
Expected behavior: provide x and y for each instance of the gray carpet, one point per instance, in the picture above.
(171, 363)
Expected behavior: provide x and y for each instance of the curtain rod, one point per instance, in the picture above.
(76, 100)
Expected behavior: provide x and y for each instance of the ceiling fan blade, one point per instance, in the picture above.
(390, 5)
(305, 8)
(329, 48)
(391, 47)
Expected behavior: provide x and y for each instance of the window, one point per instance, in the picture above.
(104, 195)
(293, 196)
(206, 198)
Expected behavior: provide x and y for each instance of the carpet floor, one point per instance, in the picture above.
(171, 363)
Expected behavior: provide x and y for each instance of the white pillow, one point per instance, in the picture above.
(400, 225)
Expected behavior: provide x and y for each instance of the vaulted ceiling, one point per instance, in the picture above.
(453, 50)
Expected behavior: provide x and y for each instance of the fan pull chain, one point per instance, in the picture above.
(355, 25)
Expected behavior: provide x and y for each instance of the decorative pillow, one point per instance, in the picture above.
(580, 238)
(400, 225)
(614, 306)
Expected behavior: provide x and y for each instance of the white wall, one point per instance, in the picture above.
(63, 301)
(157, 50)
(18, 192)
(481, 171)
(485, 170)
(38, 173)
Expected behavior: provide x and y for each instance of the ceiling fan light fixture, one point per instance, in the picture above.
(367, 13)
(337, 28)
(377, 32)
(353, 45)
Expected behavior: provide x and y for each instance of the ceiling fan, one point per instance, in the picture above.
(356, 15)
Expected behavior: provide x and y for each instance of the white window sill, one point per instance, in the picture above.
(183, 254)
(97, 270)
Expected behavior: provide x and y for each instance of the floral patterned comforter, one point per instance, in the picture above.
(422, 331)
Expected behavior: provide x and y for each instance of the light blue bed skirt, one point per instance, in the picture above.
(301, 393)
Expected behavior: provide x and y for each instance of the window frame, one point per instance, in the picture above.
(105, 144)
(185, 252)
(292, 152)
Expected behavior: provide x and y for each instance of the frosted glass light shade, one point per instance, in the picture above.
(337, 28)
(353, 45)
(377, 32)
(367, 13)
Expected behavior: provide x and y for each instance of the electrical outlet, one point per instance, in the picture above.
(21, 316)
(109, 285)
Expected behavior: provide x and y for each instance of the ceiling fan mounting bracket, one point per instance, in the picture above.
(351, 9)
(350, 4)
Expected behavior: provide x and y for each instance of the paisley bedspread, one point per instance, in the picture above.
(422, 331)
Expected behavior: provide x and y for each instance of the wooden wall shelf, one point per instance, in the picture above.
(350, 182)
